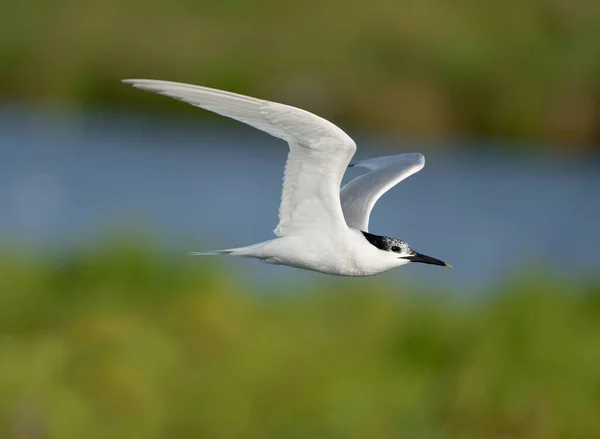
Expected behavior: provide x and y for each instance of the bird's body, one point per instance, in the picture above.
(345, 253)
(321, 227)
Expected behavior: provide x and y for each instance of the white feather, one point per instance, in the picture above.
(318, 157)
(360, 195)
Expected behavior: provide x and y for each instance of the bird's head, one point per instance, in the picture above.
(400, 251)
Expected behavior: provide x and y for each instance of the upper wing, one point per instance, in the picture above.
(360, 195)
(318, 157)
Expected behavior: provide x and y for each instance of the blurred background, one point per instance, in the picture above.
(108, 329)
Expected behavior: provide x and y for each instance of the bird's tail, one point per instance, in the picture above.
(212, 252)
(248, 251)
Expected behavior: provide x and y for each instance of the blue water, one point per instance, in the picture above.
(198, 185)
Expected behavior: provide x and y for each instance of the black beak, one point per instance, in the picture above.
(418, 257)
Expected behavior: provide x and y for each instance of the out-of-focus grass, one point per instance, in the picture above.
(123, 343)
(430, 68)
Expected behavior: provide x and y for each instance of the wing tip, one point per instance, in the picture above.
(130, 81)
(416, 156)
(140, 83)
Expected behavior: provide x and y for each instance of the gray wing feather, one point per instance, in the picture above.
(360, 195)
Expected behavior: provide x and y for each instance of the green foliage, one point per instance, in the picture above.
(432, 68)
(123, 342)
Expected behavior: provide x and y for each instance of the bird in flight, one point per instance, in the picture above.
(321, 227)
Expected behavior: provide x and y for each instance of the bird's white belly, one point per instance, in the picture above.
(345, 254)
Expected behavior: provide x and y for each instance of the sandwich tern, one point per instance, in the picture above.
(321, 227)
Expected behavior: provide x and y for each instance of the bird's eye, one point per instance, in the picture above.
(395, 249)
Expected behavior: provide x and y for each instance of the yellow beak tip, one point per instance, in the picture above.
(447, 265)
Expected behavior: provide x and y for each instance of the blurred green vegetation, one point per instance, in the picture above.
(526, 70)
(122, 341)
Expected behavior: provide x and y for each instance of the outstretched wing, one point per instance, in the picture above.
(360, 195)
(318, 157)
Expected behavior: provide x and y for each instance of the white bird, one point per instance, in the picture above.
(321, 228)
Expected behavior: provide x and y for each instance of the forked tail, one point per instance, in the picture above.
(213, 252)
(248, 251)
